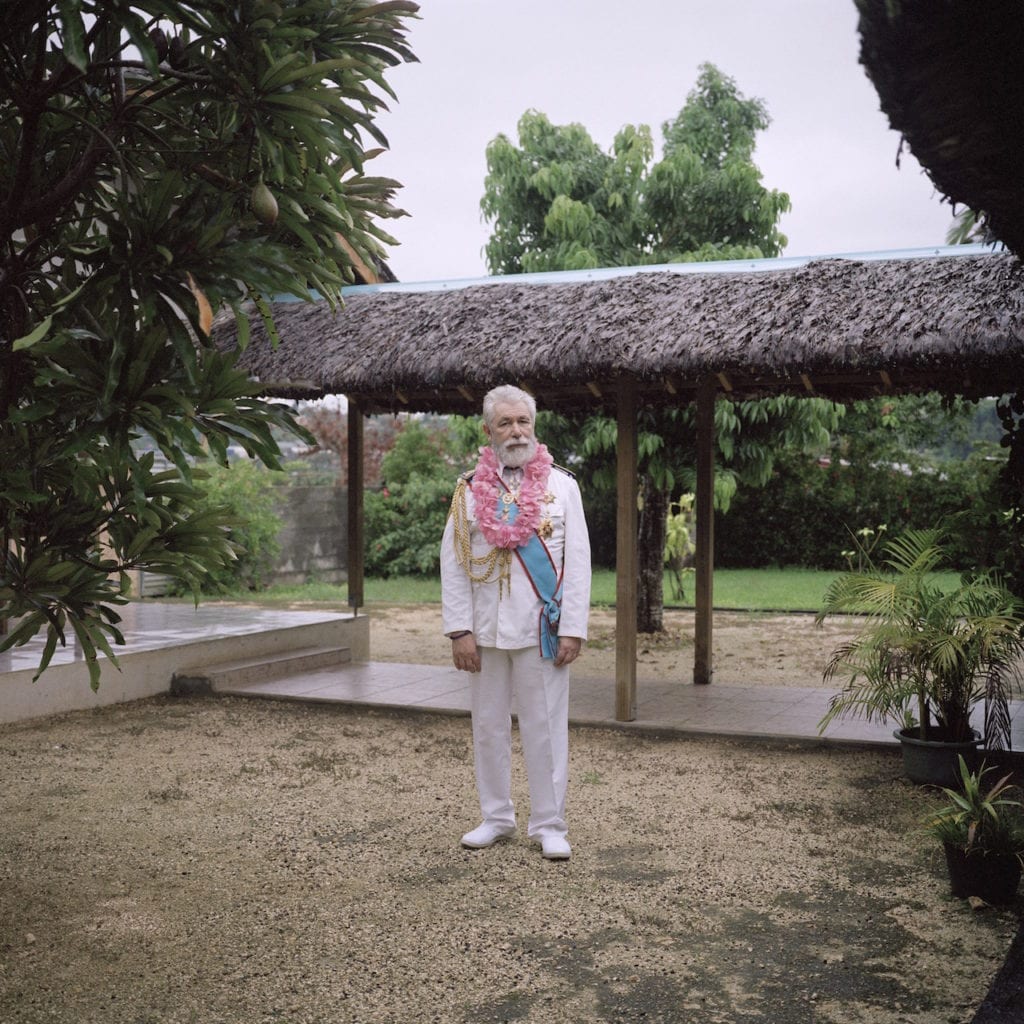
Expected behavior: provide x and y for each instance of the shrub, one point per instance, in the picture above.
(404, 527)
(246, 489)
(805, 514)
(404, 521)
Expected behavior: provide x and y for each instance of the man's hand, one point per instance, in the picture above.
(568, 650)
(464, 653)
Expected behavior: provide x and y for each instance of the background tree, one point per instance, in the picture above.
(405, 518)
(557, 201)
(893, 464)
(159, 161)
(750, 436)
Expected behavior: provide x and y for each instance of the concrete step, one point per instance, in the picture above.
(228, 675)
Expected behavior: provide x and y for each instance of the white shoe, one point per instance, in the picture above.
(555, 848)
(487, 835)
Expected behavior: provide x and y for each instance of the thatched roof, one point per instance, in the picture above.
(839, 328)
(950, 77)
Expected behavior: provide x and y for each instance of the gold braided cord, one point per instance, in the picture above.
(496, 564)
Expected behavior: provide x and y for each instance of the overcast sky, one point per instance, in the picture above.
(605, 64)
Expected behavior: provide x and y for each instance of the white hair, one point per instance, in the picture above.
(507, 393)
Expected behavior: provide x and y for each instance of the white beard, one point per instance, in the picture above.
(515, 454)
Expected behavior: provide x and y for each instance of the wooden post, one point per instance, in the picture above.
(356, 484)
(705, 553)
(625, 555)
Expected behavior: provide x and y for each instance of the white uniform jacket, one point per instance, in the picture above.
(511, 620)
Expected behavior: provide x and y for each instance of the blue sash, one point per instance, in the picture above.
(535, 559)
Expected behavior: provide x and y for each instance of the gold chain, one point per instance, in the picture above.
(496, 564)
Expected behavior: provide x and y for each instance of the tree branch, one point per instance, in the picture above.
(31, 110)
(46, 207)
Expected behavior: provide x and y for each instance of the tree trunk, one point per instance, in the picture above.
(651, 527)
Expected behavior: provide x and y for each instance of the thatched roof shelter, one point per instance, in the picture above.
(619, 340)
(840, 328)
(951, 79)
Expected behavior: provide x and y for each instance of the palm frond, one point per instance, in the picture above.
(948, 651)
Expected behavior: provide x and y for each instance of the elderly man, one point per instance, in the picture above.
(515, 582)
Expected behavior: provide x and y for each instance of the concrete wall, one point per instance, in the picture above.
(314, 535)
(313, 539)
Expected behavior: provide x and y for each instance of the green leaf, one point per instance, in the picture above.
(297, 101)
(48, 649)
(35, 336)
(73, 33)
(278, 68)
(22, 633)
(244, 332)
(280, 76)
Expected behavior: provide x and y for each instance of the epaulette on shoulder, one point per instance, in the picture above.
(567, 472)
(467, 477)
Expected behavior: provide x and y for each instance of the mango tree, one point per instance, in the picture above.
(557, 201)
(161, 161)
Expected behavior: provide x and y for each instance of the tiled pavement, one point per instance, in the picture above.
(765, 712)
(787, 712)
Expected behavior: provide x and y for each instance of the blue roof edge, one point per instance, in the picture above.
(714, 267)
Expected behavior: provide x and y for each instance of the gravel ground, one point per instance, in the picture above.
(234, 861)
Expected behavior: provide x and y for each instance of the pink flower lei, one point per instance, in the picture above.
(488, 488)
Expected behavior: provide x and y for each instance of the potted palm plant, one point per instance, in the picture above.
(928, 656)
(982, 835)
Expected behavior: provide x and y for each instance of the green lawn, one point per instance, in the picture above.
(756, 589)
(759, 589)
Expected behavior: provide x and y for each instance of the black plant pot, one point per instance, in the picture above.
(933, 762)
(993, 877)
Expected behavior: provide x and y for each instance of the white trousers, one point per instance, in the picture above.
(541, 694)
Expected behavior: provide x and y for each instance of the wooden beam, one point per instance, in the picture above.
(703, 669)
(593, 389)
(725, 382)
(806, 381)
(356, 483)
(465, 392)
(626, 570)
(886, 379)
(669, 386)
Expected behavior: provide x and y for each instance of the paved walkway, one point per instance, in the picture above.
(767, 712)
(786, 713)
